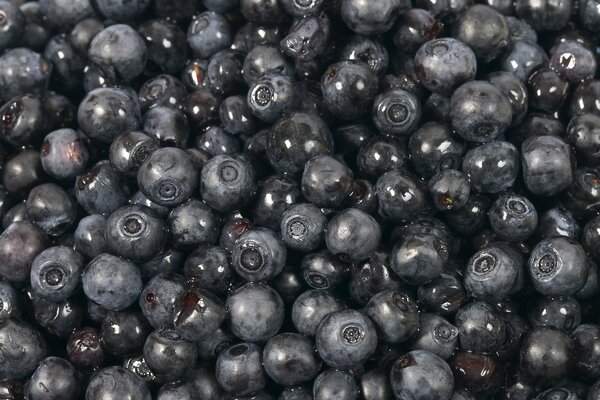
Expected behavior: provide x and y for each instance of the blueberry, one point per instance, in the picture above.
(262, 12)
(116, 381)
(545, 15)
(396, 112)
(591, 237)
(63, 14)
(492, 167)
(419, 258)
(105, 113)
(100, 190)
(124, 332)
(120, 51)
(83, 32)
(303, 227)
(563, 393)
(371, 277)
(180, 390)
(513, 218)
(168, 177)
(263, 59)
(416, 27)
(13, 24)
(55, 273)
(290, 359)
(371, 19)
(548, 90)
(20, 243)
(35, 33)
(302, 8)
(51, 208)
(326, 181)
(410, 370)
(224, 72)
(84, 348)
(258, 255)
(197, 314)
(323, 270)
(135, 232)
(546, 354)
(129, 150)
(112, 282)
(346, 339)
(167, 125)
(547, 167)
(23, 348)
(557, 267)
(449, 190)
(433, 148)
(64, 154)
(357, 88)
(141, 199)
(67, 63)
(168, 355)
(9, 306)
(24, 119)
(296, 393)
(272, 95)
(311, 307)
(368, 50)
(121, 10)
(239, 369)
(22, 172)
(307, 38)
(251, 35)
(484, 30)
(583, 135)
(54, 377)
(401, 196)
(215, 141)
(573, 61)
(581, 197)
(395, 315)
(481, 328)
(494, 272)
(232, 230)
(168, 261)
(295, 139)
(516, 91)
(267, 317)
(235, 115)
(480, 373)
(436, 335)
(59, 319)
(209, 267)
(444, 64)
(562, 313)
(522, 58)
(162, 90)
(349, 227)
(227, 182)
(334, 384)
(23, 71)
(158, 298)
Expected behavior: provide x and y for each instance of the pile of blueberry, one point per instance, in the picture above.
(299, 200)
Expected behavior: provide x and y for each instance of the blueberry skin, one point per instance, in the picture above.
(22, 172)
(323, 270)
(432, 148)
(290, 359)
(488, 40)
(215, 141)
(235, 116)
(121, 10)
(67, 63)
(419, 258)
(346, 339)
(258, 255)
(23, 71)
(334, 384)
(558, 267)
(396, 112)
(83, 32)
(232, 230)
(449, 190)
(378, 155)
(51, 208)
(64, 154)
(158, 298)
(302, 227)
(135, 232)
(326, 182)
(412, 369)
(479, 111)
(181, 390)
(89, 239)
(137, 365)
(55, 377)
(24, 120)
(371, 277)
(34, 33)
(296, 393)
(546, 15)
(370, 51)
(227, 182)
(65, 13)
(562, 313)
(300, 8)
(262, 12)
(55, 273)
(9, 306)
(395, 315)
(522, 58)
(192, 224)
(594, 392)
(209, 267)
(584, 135)
(573, 61)
(99, 114)
(197, 314)
(112, 282)
(564, 393)
(492, 167)
(212, 345)
(273, 196)
(116, 381)
(272, 95)
(416, 27)
(167, 125)
(436, 335)
(547, 168)
(141, 199)
(13, 24)
(267, 316)
(548, 89)
(251, 35)
(120, 51)
(513, 218)
(358, 88)
(349, 227)
(162, 90)
(515, 90)
(59, 319)
(22, 349)
(311, 307)
(371, 19)
(168, 177)
(444, 64)
(14, 214)
(546, 354)
(168, 355)
(481, 328)
(124, 332)
(129, 150)
(585, 353)
(239, 369)
(263, 59)
(100, 190)
(295, 139)
(307, 38)
(494, 272)
(20, 243)
(396, 207)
